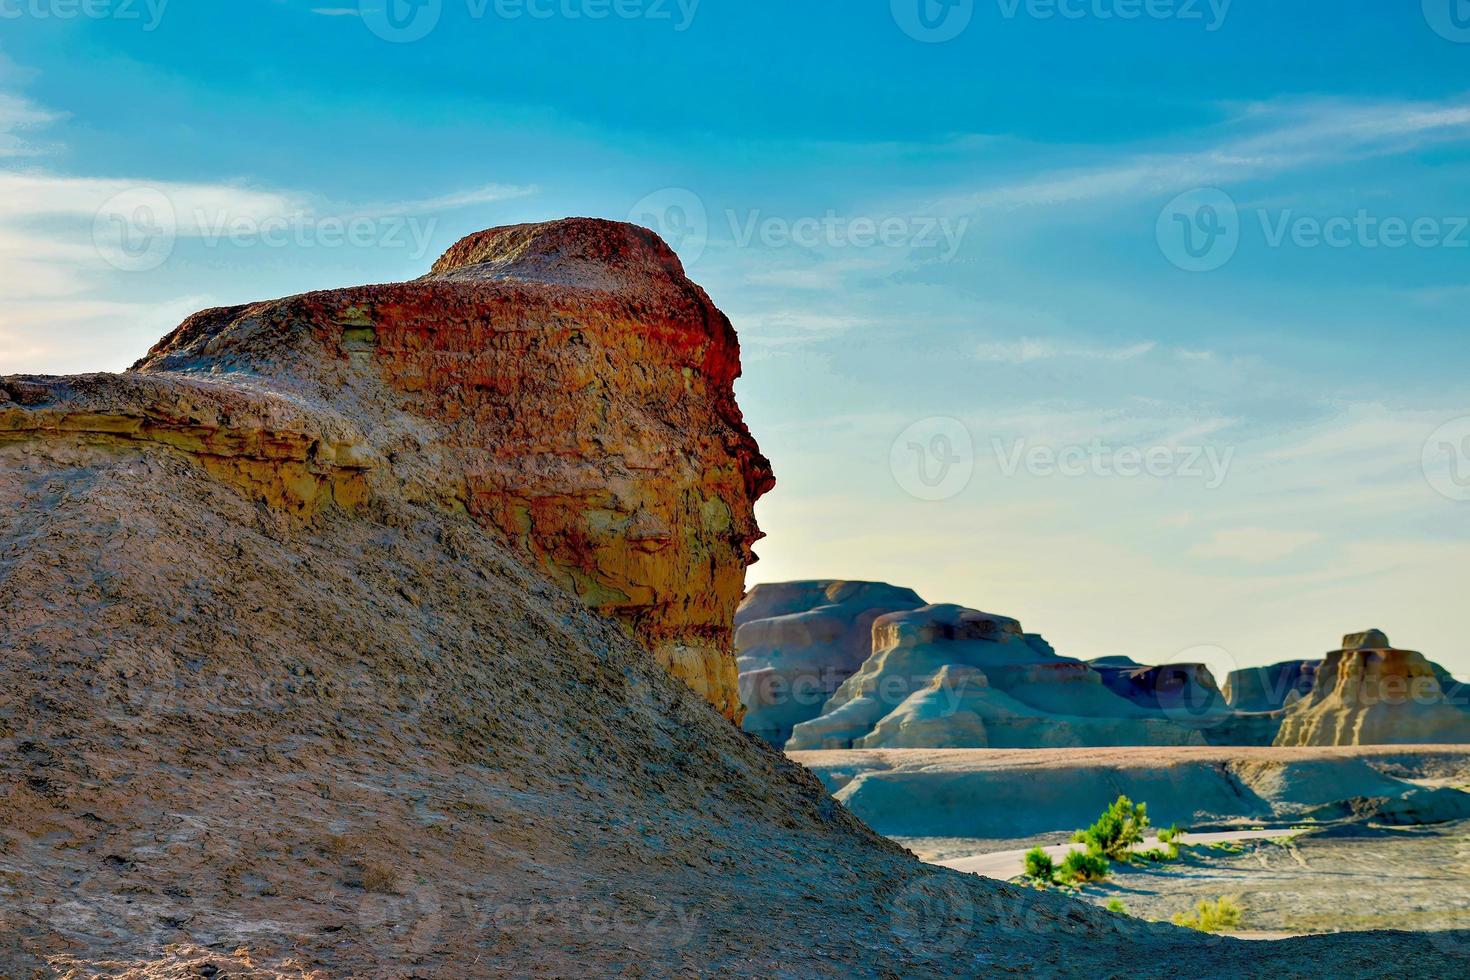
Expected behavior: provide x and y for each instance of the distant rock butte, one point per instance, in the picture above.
(1369, 693)
(1270, 688)
(950, 677)
(796, 642)
(564, 383)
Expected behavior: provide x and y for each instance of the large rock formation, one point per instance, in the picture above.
(950, 677)
(1369, 693)
(1271, 688)
(796, 642)
(279, 701)
(564, 383)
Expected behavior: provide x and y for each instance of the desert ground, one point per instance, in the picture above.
(1306, 841)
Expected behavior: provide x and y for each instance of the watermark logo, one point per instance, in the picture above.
(637, 922)
(1199, 231)
(401, 21)
(1210, 13)
(1446, 459)
(1449, 18)
(933, 21)
(1186, 687)
(148, 13)
(409, 918)
(939, 236)
(679, 217)
(933, 459)
(933, 916)
(1363, 230)
(138, 680)
(136, 230)
(1208, 464)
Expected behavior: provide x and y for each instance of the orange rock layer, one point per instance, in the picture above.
(565, 383)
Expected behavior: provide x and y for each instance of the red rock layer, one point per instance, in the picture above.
(567, 385)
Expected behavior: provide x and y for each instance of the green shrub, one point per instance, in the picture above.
(1039, 866)
(1116, 832)
(1169, 837)
(1117, 907)
(1080, 867)
(1218, 916)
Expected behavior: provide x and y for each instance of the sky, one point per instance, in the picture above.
(1141, 321)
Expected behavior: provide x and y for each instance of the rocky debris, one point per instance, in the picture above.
(1271, 688)
(796, 642)
(1369, 693)
(950, 677)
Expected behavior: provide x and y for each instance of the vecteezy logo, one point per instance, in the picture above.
(135, 230)
(409, 919)
(1188, 696)
(1449, 18)
(933, 916)
(934, 458)
(1447, 459)
(933, 21)
(401, 21)
(679, 217)
(1199, 230)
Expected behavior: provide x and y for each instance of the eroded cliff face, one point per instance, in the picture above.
(944, 676)
(563, 383)
(1369, 693)
(796, 642)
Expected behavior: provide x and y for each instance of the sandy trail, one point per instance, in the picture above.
(1005, 865)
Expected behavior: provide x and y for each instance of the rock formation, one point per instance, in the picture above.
(1271, 688)
(950, 677)
(301, 679)
(796, 642)
(1184, 692)
(1369, 693)
(565, 384)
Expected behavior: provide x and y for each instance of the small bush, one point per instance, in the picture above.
(1169, 837)
(1080, 867)
(1218, 916)
(1116, 907)
(1039, 865)
(380, 878)
(1120, 827)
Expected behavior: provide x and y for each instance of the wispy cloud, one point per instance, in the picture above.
(62, 282)
(1027, 349)
(1286, 136)
(17, 117)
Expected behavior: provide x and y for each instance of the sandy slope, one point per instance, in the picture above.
(1020, 794)
(384, 749)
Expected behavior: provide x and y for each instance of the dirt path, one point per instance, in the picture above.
(1005, 865)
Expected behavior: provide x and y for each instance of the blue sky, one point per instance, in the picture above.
(954, 247)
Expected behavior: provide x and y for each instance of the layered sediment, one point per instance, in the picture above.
(1369, 693)
(950, 677)
(564, 383)
(796, 642)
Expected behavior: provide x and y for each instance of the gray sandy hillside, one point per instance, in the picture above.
(299, 683)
